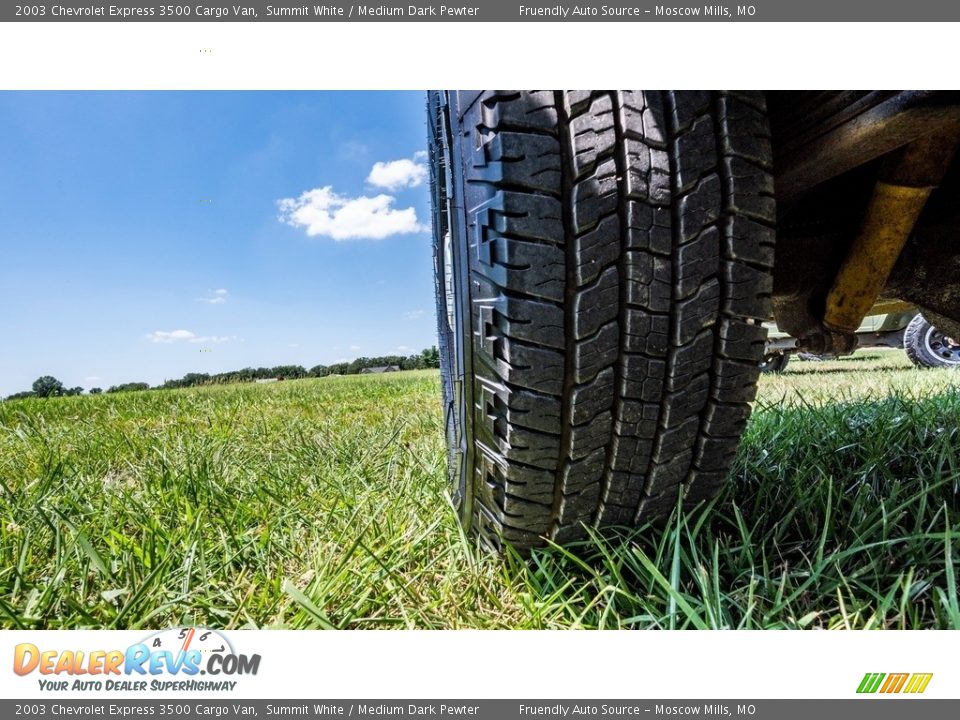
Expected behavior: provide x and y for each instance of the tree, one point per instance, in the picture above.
(128, 387)
(22, 395)
(431, 357)
(288, 371)
(413, 362)
(47, 386)
(338, 368)
(96, 391)
(74, 391)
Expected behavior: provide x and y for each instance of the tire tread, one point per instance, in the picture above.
(621, 246)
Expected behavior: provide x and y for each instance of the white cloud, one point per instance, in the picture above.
(398, 174)
(354, 347)
(413, 314)
(322, 211)
(293, 345)
(402, 348)
(163, 336)
(172, 336)
(215, 297)
(92, 378)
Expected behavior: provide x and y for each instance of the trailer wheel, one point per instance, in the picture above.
(929, 347)
(774, 363)
(603, 266)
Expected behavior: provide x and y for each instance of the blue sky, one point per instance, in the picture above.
(147, 235)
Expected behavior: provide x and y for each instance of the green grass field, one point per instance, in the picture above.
(322, 503)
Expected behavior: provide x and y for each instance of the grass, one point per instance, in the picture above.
(321, 503)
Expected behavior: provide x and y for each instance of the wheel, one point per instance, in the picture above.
(928, 347)
(774, 363)
(603, 265)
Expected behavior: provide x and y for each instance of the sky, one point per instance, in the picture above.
(147, 235)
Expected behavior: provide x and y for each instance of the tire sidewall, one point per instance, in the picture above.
(917, 341)
(449, 231)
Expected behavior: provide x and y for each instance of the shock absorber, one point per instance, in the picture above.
(906, 180)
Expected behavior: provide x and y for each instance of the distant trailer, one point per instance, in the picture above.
(266, 380)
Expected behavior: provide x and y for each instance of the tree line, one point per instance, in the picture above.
(49, 386)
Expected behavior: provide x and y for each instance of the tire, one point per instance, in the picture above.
(775, 363)
(928, 347)
(603, 264)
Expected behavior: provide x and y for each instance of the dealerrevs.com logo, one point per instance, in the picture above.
(168, 660)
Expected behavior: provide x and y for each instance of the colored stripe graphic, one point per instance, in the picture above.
(893, 683)
(870, 682)
(918, 682)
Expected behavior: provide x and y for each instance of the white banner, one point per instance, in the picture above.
(473, 664)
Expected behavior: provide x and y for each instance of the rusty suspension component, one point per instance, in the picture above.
(906, 180)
